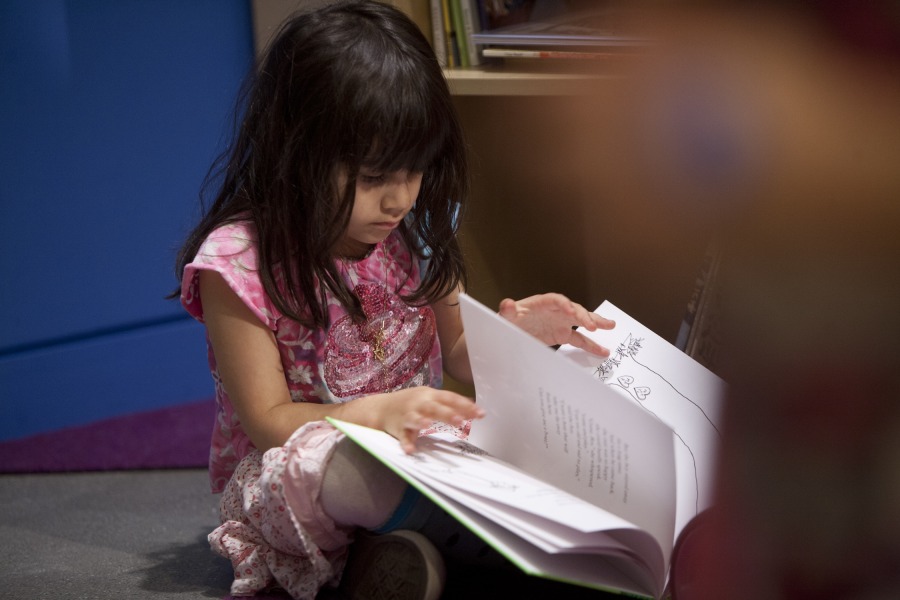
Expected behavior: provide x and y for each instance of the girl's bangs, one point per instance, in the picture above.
(409, 133)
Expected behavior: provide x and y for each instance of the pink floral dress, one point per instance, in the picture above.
(273, 529)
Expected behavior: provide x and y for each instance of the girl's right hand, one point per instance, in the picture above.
(404, 413)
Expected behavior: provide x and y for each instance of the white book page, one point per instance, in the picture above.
(548, 417)
(548, 535)
(605, 564)
(632, 546)
(665, 382)
(612, 573)
(463, 470)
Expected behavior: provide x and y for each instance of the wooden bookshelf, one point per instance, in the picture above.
(496, 80)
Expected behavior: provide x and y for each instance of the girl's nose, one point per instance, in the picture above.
(401, 193)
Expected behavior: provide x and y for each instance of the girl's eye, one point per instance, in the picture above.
(371, 178)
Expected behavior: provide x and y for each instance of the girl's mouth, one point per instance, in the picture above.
(387, 224)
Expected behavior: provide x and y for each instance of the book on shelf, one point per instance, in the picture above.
(531, 53)
(444, 36)
(438, 39)
(459, 33)
(461, 17)
(470, 17)
(584, 470)
(453, 23)
(569, 60)
(585, 28)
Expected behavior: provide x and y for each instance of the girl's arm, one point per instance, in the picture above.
(251, 371)
(454, 352)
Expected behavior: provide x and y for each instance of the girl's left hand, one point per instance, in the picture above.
(551, 318)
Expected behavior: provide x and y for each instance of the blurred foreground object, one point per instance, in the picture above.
(780, 131)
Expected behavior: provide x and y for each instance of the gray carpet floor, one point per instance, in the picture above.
(116, 534)
(134, 535)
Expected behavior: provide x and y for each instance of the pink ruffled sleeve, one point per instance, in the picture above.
(230, 251)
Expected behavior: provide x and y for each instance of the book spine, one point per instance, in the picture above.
(459, 31)
(565, 54)
(449, 38)
(437, 32)
(471, 25)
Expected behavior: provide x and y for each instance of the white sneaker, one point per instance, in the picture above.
(401, 565)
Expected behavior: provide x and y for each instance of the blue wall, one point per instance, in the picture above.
(111, 112)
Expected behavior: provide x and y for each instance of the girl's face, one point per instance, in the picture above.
(382, 201)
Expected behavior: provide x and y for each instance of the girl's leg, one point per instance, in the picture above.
(358, 489)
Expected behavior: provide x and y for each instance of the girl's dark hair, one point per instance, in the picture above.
(354, 84)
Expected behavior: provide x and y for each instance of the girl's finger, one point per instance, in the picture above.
(408, 440)
(585, 318)
(457, 401)
(585, 343)
(508, 309)
(602, 322)
(449, 414)
(416, 420)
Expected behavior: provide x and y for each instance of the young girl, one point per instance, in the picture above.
(327, 273)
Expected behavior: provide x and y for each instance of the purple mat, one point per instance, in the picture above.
(173, 437)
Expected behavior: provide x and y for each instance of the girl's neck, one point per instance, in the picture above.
(355, 251)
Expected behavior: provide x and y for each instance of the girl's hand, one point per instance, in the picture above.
(404, 413)
(551, 318)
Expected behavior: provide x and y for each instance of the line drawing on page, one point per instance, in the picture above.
(654, 392)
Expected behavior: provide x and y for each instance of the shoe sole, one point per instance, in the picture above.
(401, 565)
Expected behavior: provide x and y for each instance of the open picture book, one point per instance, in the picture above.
(584, 470)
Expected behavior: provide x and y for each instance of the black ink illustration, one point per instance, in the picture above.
(651, 390)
